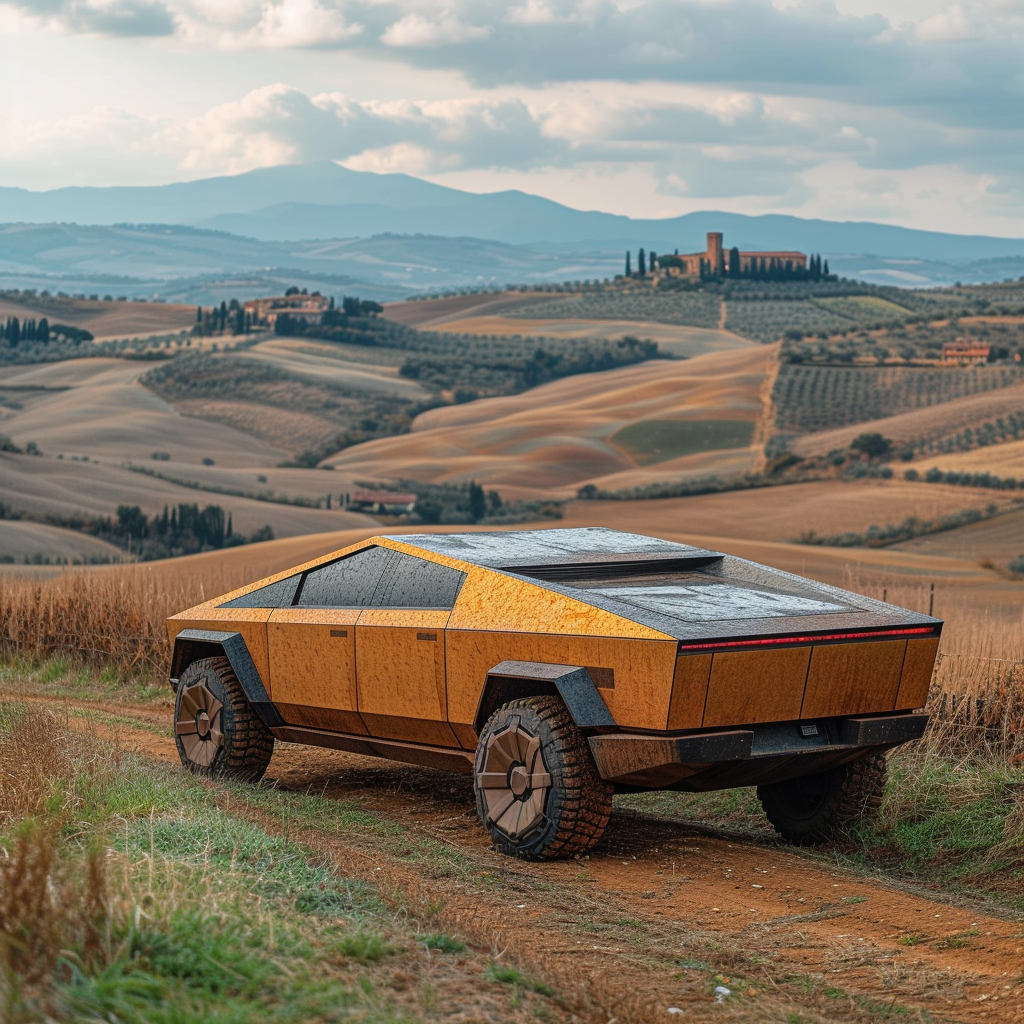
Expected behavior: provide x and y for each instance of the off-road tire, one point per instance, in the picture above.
(245, 745)
(818, 808)
(575, 810)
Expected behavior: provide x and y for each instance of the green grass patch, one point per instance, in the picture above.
(510, 976)
(366, 946)
(857, 306)
(652, 441)
(443, 943)
(62, 677)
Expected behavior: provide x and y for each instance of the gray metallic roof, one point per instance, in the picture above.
(502, 549)
(687, 592)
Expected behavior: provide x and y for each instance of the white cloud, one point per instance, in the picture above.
(303, 23)
(538, 12)
(419, 31)
(403, 157)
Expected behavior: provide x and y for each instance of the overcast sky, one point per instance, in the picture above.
(910, 115)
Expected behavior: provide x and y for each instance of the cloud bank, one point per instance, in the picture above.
(725, 100)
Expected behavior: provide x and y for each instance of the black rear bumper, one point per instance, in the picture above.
(752, 756)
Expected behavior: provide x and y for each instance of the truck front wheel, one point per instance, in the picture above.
(216, 730)
(538, 791)
(813, 809)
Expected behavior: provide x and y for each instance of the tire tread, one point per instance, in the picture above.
(584, 803)
(855, 792)
(248, 743)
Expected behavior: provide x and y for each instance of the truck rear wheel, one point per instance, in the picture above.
(538, 791)
(216, 731)
(816, 808)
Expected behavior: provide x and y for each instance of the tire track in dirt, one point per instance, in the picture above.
(659, 908)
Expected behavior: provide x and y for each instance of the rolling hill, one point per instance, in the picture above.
(550, 440)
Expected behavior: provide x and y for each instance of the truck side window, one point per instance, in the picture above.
(410, 582)
(348, 583)
(273, 595)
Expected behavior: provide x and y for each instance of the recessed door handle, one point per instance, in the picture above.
(426, 636)
(339, 632)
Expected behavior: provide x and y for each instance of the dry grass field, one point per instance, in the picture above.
(483, 314)
(550, 440)
(106, 320)
(1006, 459)
(27, 540)
(996, 541)
(97, 408)
(432, 314)
(679, 341)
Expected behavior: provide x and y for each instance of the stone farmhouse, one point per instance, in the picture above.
(298, 306)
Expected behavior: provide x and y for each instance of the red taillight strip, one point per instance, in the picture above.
(776, 640)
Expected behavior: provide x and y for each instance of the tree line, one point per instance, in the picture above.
(28, 331)
(227, 318)
(184, 530)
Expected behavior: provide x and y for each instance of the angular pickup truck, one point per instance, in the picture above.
(560, 667)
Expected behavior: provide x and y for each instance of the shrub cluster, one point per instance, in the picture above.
(990, 480)
(882, 536)
(458, 503)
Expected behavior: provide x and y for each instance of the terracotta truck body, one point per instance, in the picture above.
(561, 667)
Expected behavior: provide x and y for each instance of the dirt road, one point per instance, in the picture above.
(661, 914)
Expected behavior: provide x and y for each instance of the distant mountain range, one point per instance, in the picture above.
(278, 217)
(195, 265)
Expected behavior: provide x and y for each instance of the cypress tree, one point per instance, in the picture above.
(734, 262)
(199, 314)
(43, 331)
(477, 501)
(825, 270)
(641, 264)
(629, 269)
(652, 261)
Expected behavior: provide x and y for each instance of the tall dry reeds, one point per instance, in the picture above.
(50, 902)
(977, 695)
(106, 618)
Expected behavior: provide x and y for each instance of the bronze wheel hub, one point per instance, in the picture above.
(198, 724)
(514, 780)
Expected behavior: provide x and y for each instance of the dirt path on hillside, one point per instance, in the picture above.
(766, 421)
(659, 914)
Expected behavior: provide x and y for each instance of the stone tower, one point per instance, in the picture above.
(714, 253)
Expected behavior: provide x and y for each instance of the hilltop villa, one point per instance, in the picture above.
(305, 307)
(717, 260)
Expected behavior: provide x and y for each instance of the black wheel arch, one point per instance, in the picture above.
(191, 645)
(512, 680)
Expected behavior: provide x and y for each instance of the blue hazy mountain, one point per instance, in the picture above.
(325, 201)
(190, 264)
